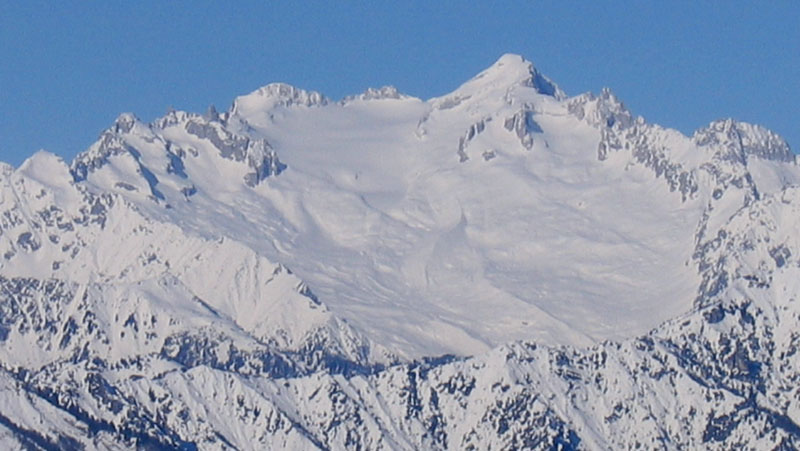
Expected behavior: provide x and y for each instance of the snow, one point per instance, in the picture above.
(414, 238)
(276, 95)
(432, 256)
(265, 276)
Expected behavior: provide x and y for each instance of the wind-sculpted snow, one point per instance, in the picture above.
(501, 267)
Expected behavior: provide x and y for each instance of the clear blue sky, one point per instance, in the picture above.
(68, 68)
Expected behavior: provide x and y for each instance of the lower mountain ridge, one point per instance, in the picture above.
(502, 267)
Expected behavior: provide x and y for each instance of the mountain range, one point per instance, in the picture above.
(502, 267)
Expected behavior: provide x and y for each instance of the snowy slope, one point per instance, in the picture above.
(502, 266)
(407, 216)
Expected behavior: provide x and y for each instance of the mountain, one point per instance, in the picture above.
(504, 266)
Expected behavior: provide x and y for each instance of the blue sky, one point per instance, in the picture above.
(68, 68)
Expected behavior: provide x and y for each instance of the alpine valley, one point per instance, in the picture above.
(502, 267)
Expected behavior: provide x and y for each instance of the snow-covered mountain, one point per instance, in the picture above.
(501, 267)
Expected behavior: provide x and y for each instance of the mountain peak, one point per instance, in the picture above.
(46, 167)
(746, 139)
(512, 60)
(516, 70)
(277, 94)
(124, 123)
(508, 72)
(382, 93)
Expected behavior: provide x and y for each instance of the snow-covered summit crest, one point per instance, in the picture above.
(382, 93)
(111, 142)
(501, 81)
(745, 140)
(276, 94)
(46, 165)
(124, 123)
(603, 111)
(514, 70)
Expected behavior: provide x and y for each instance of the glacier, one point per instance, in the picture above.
(501, 267)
